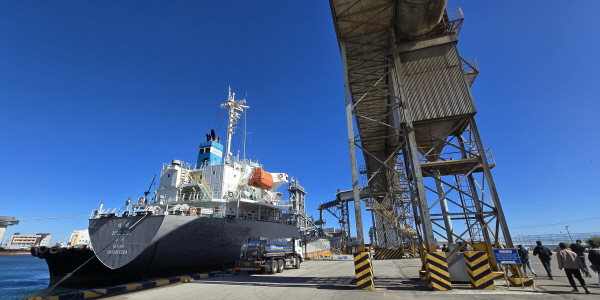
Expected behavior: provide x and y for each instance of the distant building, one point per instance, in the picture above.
(40, 239)
(80, 237)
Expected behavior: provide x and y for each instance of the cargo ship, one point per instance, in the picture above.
(13, 251)
(196, 219)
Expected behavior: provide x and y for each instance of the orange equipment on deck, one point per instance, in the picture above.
(261, 179)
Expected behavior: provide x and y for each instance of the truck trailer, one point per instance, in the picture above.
(270, 256)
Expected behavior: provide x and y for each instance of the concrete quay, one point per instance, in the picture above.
(334, 279)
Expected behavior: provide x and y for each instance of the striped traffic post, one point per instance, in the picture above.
(363, 270)
(411, 252)
(480, 272)
(438, 277)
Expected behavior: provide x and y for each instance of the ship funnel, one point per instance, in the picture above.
(176, 162)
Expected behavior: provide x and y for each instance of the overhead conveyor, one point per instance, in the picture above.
(408, 95)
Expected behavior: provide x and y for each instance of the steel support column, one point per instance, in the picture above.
(353, 166)
(419, 197)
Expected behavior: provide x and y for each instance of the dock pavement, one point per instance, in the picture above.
(327, 278)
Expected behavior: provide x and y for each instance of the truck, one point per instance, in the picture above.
(270, 256)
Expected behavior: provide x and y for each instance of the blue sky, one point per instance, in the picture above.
(96, 95)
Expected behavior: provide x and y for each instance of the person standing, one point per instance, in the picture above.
(545, 256)
(444, 248)
(569, 260)
(579, 249)
(594, 257)
(525, 262)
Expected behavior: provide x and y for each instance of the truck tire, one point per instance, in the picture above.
(273, 266)
(296, 263)
(281, 265)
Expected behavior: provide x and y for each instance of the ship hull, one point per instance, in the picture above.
(168, 245)
(85, 268)
(13, 252)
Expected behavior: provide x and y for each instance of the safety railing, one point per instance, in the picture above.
(457, 155)
(455, 20)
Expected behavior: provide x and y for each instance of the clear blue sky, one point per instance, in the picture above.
(96, 95)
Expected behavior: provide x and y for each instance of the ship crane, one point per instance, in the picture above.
(149, 187)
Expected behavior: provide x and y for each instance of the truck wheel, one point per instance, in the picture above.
(281, 265)
(296, 263)
(273, 266)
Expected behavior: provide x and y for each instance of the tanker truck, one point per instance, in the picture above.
(270, 256)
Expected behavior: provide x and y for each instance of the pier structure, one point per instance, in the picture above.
(407, 91)
(4, 223)
(338, 208)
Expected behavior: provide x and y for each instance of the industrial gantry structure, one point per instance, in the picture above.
(427, 174)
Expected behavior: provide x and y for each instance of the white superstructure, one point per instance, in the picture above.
(220, 185)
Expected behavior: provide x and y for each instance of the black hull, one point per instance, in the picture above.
(169, 245)
(157, 247)
(91, 272)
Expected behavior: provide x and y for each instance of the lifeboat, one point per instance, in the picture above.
(261, 179)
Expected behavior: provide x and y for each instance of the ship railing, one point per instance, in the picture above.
(182, 164)
(103, 212)
(167, 208)
(283, 203)
(154, 209)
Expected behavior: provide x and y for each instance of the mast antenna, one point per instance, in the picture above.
(235, 107)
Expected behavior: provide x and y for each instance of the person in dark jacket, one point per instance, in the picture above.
(579, 249)
(525, 262)
(594, 257)
(545, 256)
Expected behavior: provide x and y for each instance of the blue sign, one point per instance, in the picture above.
(507, 256)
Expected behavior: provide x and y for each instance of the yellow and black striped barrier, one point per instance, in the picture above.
(438, 277)
(127, 288)
(389, 254)
(363, 270)
(480, 273)
(411, 252)
(497, 275)
(522, 281)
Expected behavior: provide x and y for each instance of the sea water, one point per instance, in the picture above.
(22, 276)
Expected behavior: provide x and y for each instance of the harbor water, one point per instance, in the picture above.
(22, 276)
